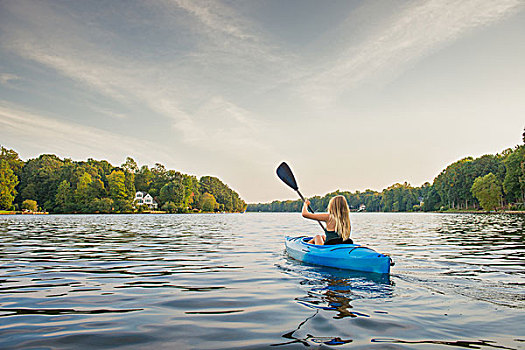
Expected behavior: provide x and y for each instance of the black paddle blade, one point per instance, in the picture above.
(285, 173)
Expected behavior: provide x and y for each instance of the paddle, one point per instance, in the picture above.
(285, 174)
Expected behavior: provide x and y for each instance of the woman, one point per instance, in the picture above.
(337, 222)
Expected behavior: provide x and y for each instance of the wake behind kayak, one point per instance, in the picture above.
(342, 256)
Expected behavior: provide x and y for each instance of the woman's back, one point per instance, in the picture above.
(337, 221)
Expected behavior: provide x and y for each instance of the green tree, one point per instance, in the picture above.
(15, 163)
(160, 177)
(130, 165)
(399, 197)
(118, 192)
(170, 207)
(129, 183)
(82, 193)
(101, 205)
(191, 190)
(488, 191)
(39, 180)
(208, 202)
(453, 184)
(30, 205)
(372, 200)
(223, 194)
(143, 179)
(117, 185)
(173, 192)
(431, 201)
(514, 181)
(8, 182)
(97, 189)
(63, 198)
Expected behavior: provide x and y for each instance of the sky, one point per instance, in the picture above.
(353, 95)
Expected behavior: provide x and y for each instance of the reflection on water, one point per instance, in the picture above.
(310, 338)
(459, 343)
(48, 311)
(225, 282)
(332, 290)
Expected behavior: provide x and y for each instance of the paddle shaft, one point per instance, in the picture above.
(285, 174)
(310, 208)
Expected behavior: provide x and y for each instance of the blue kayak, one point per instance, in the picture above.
(343, 256)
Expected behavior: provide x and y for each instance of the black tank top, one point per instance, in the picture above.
(331, 235)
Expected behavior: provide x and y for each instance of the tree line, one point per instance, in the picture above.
(488, 182)
(95, 186)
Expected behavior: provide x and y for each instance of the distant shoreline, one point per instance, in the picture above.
(416, 212)
(4, 212)
(481, 212)
(519, 212)
(13, 212)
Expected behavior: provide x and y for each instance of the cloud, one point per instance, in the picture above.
(231, 128)
(162, 87)
(7, 78)
(217, 18)
(409, 35)
(234, 48)
(45, 133)
(109, 112)
(72, 55)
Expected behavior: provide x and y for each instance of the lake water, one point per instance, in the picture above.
(225, 282)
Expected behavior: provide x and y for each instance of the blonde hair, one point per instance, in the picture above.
(339, 212)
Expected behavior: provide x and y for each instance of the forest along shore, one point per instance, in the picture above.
(493, 182)
(7, 212)
(61, 186)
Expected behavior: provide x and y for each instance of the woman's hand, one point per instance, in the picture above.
(304, 211)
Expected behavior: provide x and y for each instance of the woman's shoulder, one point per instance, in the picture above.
(330, 222)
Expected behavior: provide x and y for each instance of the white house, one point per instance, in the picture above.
(142, 198)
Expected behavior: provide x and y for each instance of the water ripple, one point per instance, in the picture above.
(225, 282)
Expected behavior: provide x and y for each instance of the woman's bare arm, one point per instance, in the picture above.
(318, 216)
